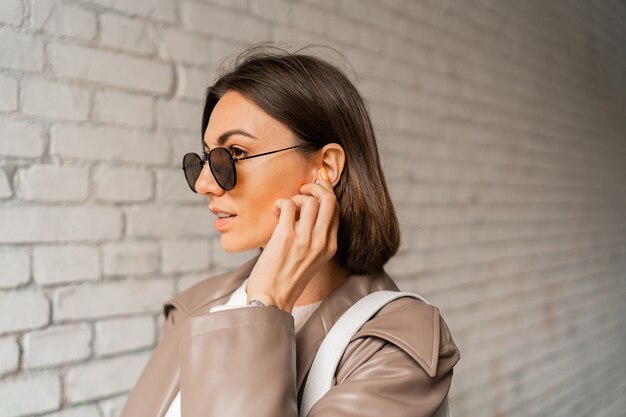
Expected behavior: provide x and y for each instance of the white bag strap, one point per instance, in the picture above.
(333, 346)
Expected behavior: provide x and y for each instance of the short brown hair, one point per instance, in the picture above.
(320, 105)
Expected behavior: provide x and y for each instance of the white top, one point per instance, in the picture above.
(238, 300)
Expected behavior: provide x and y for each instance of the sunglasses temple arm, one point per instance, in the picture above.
(264, 153)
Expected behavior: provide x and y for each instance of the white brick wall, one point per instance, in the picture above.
(57, 345)
(14, 267)
(23, 310)
(500, 127)
(123, 335)
(65, 264)
(32, 394)
(53, 183)
(102, 378)
(9, 355)
(8, 99)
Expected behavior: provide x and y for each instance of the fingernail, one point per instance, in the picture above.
(324, 173)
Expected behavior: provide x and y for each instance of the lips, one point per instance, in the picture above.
(216, 210)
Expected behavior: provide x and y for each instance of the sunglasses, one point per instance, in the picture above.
(222, 164)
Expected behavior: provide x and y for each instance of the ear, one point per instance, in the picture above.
(333, 159)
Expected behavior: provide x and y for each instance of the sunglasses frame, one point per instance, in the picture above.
(207, 158)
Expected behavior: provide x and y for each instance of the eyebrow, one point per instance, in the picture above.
(226, 135)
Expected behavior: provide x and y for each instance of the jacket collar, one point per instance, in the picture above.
(201, 297)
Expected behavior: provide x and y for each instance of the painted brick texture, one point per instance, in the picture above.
(501, 132)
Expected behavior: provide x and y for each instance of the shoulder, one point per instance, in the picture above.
(415, 327)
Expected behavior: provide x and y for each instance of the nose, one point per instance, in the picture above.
(206, 184)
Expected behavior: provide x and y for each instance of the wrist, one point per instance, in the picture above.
(266, 300)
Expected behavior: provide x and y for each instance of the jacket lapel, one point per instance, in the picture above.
(159, 383)
(215, 291)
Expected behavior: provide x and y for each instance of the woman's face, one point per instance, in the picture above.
(260, 181)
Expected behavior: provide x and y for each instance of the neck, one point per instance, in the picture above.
(327, 278)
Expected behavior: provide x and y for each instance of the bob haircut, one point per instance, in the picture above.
(320, 105)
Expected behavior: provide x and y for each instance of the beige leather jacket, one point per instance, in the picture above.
(248, 362)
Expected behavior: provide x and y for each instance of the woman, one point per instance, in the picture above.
(291, 167)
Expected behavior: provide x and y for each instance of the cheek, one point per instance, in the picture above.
(261, 187)
(255, 194)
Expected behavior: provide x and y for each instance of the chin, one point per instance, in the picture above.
(231, 244)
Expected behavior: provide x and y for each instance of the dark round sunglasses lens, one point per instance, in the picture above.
(193, 167)
(223, 168)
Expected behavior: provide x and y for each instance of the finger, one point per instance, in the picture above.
(318, 190)
(323, 179)
(308, 214)
(287, 213)
(328, 219)
(325, 215)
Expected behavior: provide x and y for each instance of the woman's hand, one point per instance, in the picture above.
(297, 248)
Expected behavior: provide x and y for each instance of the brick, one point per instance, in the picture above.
(407, 263)
(101, 66)
(103, 378)
(169, 221)
(368, 11)
(134, 35)
(23, 310)
(55, 100)
(344, 29)
(124, 335)
(223, 23)
(365, 36)
(50, 224)
(8, 98)
(192, 82)
(78, 411)
(21, 139)
(65, 264)
(162, 10)
(9, 355)
(186, 47)
(188, 280)
(172, 186)
(179, 115)
(94, 300)
(130, 258)
(233, 4)
(57, 346)
(326, 4)
(30, 394)
(14, 267)
(11, 12)
(5, 187)
(299, 37)
(311, 18)
(185, 255)
(63, 19)
(108, 144)
(225, 48)
(122, 184)
(276, 10)
(53, 183)
(181, 144)
(121, 108)
(13, 46)
(112, 407)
